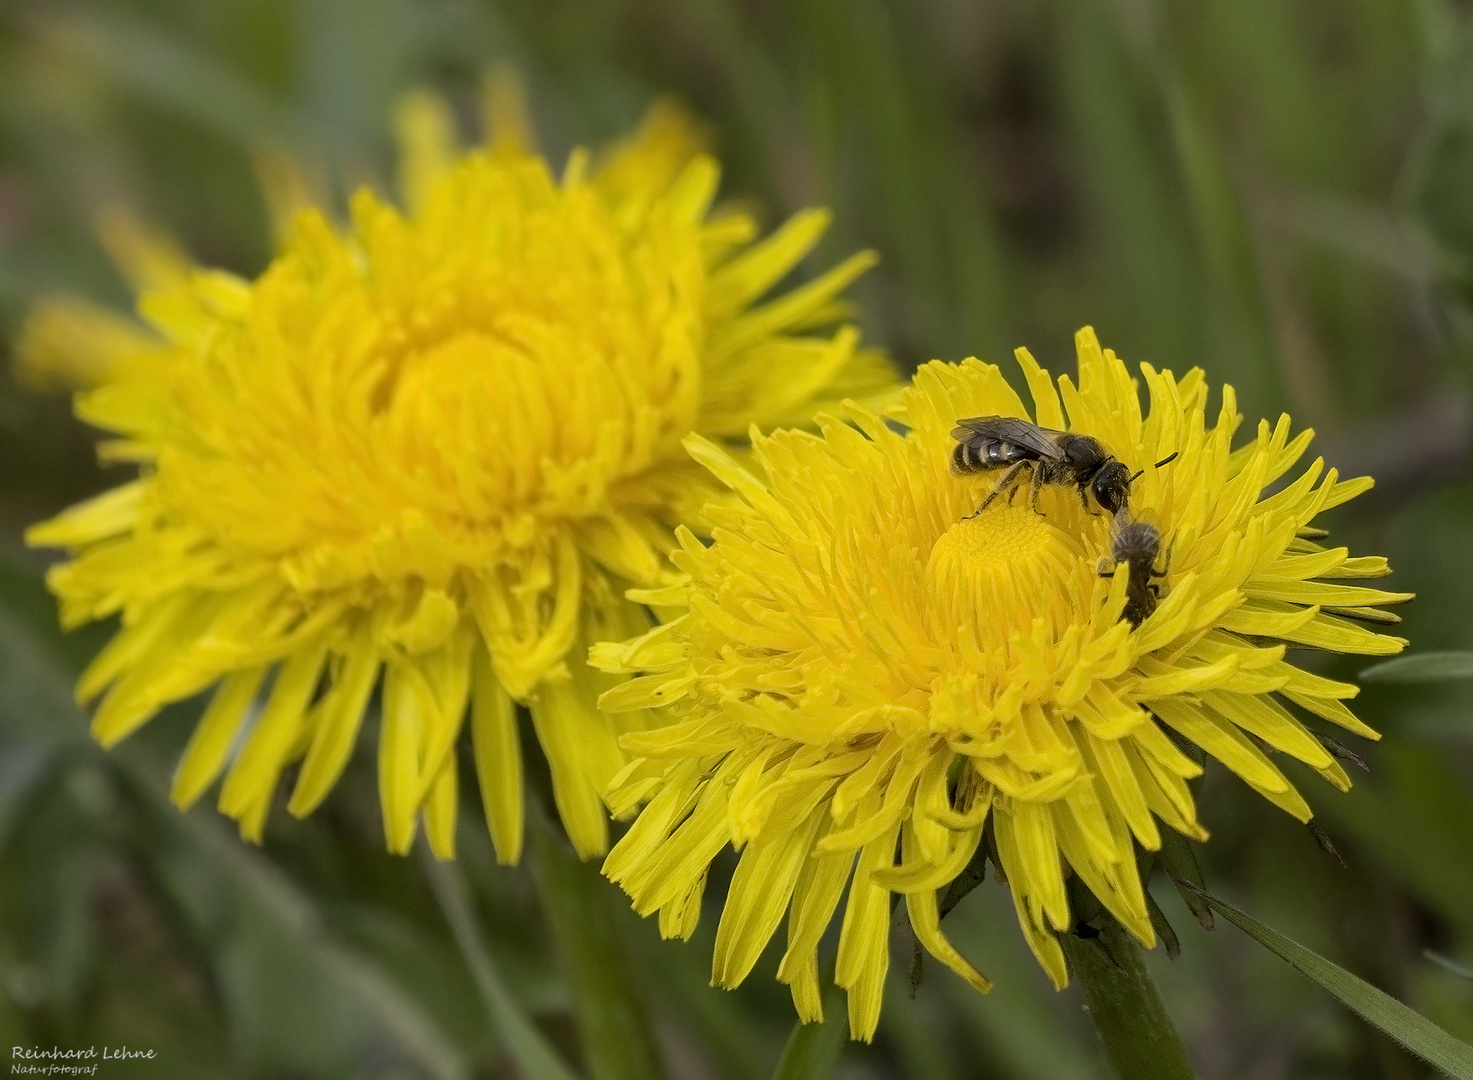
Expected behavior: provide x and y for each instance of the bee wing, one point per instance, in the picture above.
(1009, 429)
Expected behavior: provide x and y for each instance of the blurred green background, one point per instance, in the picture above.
(1280, 191)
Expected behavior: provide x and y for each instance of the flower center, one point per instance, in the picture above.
(997, 572)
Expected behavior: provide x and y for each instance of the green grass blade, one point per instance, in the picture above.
(282, 914)
(1422, 667)
(534, 1058)
(1449, 965)
(1245, 350)
(1115, 112)
(254, 923)
(937, 235)
(173, 71)
(614, 1023)
(813, 1049)
(1379, 1009)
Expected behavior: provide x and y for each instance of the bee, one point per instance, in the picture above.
(1050, 457)
(1137, 544)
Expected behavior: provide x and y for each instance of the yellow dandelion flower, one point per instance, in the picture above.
(867, 674)
(429, 450)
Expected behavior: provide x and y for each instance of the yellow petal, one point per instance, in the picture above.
(498, 754)
(204, 757)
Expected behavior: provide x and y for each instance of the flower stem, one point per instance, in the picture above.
(521, 1040)
(1122, 1000)
(588, 933)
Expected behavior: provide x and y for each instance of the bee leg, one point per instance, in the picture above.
(985, 503)
(1008, 482)
(1036, 489)
(1014, 478)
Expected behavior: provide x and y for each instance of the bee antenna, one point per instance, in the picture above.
(1164, 461)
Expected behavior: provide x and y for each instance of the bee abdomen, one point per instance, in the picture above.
(971, 457)
(978, 455)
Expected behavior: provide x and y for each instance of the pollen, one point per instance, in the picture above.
(1007, 561)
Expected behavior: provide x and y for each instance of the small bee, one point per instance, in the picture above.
(1051, 457)
(1137, 544)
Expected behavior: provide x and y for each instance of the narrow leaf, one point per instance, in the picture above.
(534, 1058)
(1449, 964)
(1422, 667)
(813, 1049)
(171, 69)
(617, 1039)
(255, 923)
(1379, 1009)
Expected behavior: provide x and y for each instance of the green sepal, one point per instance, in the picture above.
(1181, 864)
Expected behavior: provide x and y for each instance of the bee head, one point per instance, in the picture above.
(1111, 487)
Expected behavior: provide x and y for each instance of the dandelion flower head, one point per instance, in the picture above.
(868, 677)
(427, 452)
